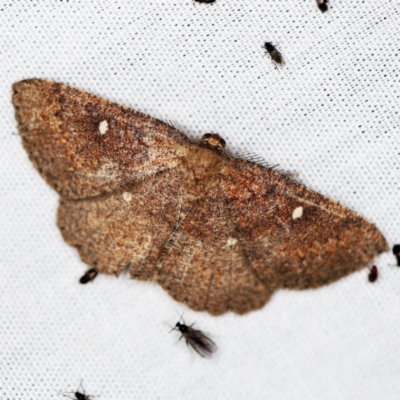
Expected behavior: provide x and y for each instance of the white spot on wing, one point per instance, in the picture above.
(103, 127)
(297, 212)
(231, 241)
(127, 196)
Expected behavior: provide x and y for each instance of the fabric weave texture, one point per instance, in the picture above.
(331, 114)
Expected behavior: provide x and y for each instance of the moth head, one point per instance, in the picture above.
(213, 141)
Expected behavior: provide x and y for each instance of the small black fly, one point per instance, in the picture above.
(396, 252)
(78, 395)
(196, 339)
(373, 274)
(322, 5)
(274, 53)
(89, 276)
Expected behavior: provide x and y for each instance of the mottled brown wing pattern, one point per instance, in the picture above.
(204, 264)
(84, 145)
(125, 229)
(294, 237)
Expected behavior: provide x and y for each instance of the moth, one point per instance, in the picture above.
(322, 5)
(274, 53)
(88, 276)
(373, 274)
(78, 395)
(218, 233)
(196, 339)
(396, 252)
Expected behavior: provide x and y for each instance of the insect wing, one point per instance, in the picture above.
(305, 240)
(80, 396)
(200, 342)
(84, 145)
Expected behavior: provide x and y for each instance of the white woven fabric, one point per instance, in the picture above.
(331, 114)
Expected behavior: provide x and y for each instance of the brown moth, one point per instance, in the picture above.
(218, 233)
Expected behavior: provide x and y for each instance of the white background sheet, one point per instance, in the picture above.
(332, 114)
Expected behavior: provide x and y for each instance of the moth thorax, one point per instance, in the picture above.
(213, 141)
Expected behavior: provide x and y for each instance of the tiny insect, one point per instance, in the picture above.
(322, 5)
(274, 53)
(196, 339)
(78, 395)
(89, 276)
(396, 252)
(205, 1)
(373, 274)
